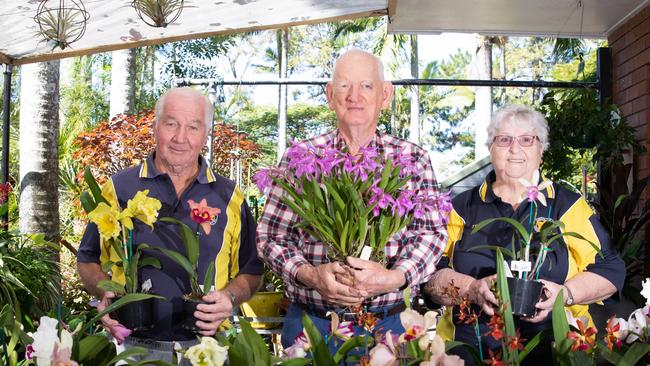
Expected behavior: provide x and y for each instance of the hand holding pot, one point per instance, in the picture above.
(117, 330)
(480, 293)
(216, 308)
(545, 304)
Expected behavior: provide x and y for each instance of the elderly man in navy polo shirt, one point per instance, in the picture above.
(175, 173)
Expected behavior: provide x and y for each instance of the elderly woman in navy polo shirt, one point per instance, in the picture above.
(517, 139)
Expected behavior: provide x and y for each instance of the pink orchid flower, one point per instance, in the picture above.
(533, 189)
(203, 214)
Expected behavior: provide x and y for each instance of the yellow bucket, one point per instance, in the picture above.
(262, 305)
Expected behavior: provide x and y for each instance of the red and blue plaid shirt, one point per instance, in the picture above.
(415, 250)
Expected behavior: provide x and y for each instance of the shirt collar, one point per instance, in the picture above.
(148, 169)
(377, 141)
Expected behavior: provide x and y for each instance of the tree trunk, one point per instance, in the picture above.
(122, 82)
(39, 163)
(483, 98)
(283, 51)
(414, 135)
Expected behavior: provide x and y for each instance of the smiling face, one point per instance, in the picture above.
(357, 93)
(181, 131)
(515, 161)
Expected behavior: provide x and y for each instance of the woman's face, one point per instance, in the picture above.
(515, 160)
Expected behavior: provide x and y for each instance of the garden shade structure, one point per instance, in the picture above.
(115, 24)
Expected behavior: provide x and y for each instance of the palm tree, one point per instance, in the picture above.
(123, 82)
(39, 163)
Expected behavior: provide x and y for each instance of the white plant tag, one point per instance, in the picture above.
(507, 268)
(146, 285)
(521, 266)
(365, 252)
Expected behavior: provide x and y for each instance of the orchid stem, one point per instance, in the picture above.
(478, 337)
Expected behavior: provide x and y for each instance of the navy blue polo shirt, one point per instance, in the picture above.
(568, 256)
(230, 243)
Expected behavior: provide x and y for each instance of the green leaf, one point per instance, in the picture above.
(129, 352)
(149, 261)
(93, 186)
(208, 280)
(108, 285)
(178, 258)
(533, 343)
(320, 351)
(504, 294)
(523, 233)
(560, 326)
(634, 354)
(87, 202)
(189, 239)
(95, 350)
(349, 345)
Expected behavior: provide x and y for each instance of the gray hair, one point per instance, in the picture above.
(354, 51)
(190, 93)
(519, 115)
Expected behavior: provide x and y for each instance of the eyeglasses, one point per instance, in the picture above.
(507, 141)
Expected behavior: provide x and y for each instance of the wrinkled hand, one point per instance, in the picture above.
(324, 278)
(372, 278)
(479, 292)
(117, 330)
(545, 304)
(213, 312)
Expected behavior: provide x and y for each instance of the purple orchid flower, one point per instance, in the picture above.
(264, 178)
(406, 164)
(404, 203)
(380, 198)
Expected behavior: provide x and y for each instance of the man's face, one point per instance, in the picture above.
(356, 93)
(181, 131)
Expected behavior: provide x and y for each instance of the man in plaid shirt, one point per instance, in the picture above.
(357, 93)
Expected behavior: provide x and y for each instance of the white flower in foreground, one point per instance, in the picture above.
(207, 353)
(645, 290)
(48, 348)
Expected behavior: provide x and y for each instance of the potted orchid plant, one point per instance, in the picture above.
(527, 259)
(115, 226)
(204, 217)
(354, 203)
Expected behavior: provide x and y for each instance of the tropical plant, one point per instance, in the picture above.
(601, 128)
(625, 217)
(529, 259)
(115, 227)
(351, 202)
(203, 216)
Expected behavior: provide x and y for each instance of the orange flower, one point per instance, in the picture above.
(367, 320)
(364, 361)
(465, 313)
(583, 339)
(495, 359)
(496, 324)
(516, 342)
(613, 336)
(203, 214)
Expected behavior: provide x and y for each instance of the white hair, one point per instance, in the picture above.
(521, 116)
(190, 93)
(378, 62)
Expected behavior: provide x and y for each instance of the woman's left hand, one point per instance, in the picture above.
(545, 304)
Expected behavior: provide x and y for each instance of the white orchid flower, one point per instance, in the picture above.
(645, 290)
(637, 324)
(533, 189)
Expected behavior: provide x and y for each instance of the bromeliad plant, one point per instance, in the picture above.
(204, 216)
(527, 260)
(115, 227)
(351, 201)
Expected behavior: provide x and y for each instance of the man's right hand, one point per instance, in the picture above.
(479, 292)
(117, 330)
(323, 278)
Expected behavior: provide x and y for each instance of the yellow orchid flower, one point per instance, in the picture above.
(144, 208)
(107, 220)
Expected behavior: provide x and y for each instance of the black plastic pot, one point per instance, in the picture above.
(524, 294)
(136, 315)
(189, 321)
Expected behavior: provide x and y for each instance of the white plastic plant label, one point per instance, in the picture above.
(507, 268)
(365, 252)
(521, 266)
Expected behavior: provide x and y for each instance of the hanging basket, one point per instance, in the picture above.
(62, 21)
